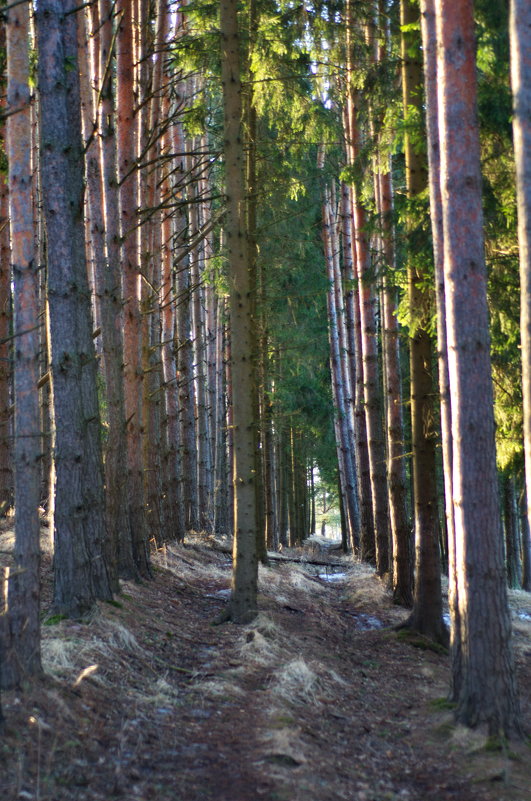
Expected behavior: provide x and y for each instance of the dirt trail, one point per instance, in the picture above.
(319, 699)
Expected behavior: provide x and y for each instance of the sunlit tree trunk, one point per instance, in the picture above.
(197, 272)
(133, 377)
(512, 532)
(369, 339)
(429, 46)
(22, 654)
(526, 543)
(402, 572)
(344, 436)
(80, 570)
(109, 296)
(485, 692)
(174, 504)
(185, 356)
(519, 28)
(426, 616)
(243, 603)
(116, 511)
(353, 331)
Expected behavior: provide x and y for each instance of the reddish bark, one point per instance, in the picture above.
(426, 616)
(519, 27)
(22, 654)
(369, 340)
(485, 692)
(133, 376)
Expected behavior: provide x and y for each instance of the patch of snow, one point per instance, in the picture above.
(524, 615)
(332, 577)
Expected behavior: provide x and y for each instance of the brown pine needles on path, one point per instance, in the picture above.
(318, 698)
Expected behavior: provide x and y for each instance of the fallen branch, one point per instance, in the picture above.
(278, 557)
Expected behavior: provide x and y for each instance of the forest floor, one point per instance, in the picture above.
(319, 699)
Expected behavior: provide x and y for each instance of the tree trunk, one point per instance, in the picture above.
(372, 393)
(133, 378)
(109, 299)
(22, 655)
(520, 49)
(486, 689)
(402, 572)
(6, 470)
(344, 434)
(243, 603)
(526, 543)
(512, 533)
(80, 570)
(427, 610)
(353, 329)
(174, 501)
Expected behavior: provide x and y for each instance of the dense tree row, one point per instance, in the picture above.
(239, 270)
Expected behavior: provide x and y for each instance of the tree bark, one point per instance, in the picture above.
(109, 296)
(512, 533)
(243, 603)
(426, 616)
(520, 49)
(6, 436)
(485, 692)
(22, 658)
(128, 193)
(80, 569)
(369, 341)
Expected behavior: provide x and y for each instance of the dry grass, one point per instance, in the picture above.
(104, 640)
(297, 682)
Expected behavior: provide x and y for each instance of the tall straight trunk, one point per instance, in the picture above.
(369, 339)
(199, 344)
(485, 693)
(22, 656)
(208, 331)
(429, 46)
(149, 68)
(185, 368)
(96, 233)
(372, 392)
(243, 603)
(80, 569)
(519, 27)
(351, 496)
(128, 183)
(6, 471)
(353, 330)
(526, 543)
(512, 533)
(282, 461)
(256, 280)
(401, 539)
(402, 572)
(109, 299)
(184, 344)
(221, 483)
(270, 468)
(175, 509)
(426, 616)
(231, 495)
(344, 437)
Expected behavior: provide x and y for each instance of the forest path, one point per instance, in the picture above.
(312, 701)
